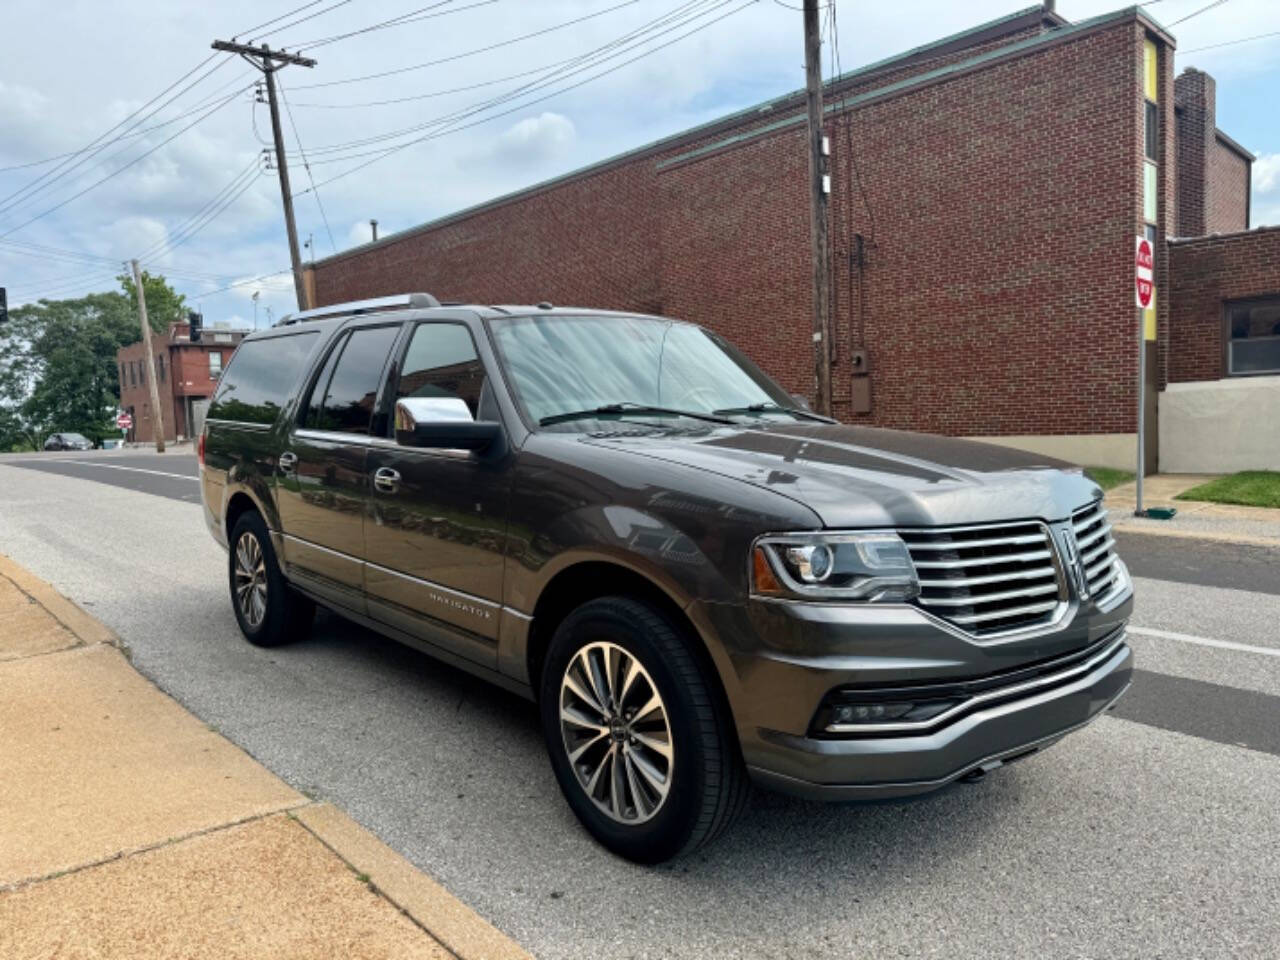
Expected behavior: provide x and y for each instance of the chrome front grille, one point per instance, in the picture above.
(989, 579)
(1096, 547)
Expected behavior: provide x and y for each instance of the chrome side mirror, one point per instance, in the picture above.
(441, 423)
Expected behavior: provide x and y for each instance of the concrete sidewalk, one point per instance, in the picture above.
(129, 829)
(1257, 526)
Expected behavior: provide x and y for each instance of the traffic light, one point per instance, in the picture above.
(197, 325)
(4, 306)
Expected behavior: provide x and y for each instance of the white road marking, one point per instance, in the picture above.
(1205, 641)
(112, 466)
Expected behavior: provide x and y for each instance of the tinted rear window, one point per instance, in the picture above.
(254, 388)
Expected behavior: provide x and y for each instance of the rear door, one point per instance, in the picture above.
(324, 484)
(437, 524)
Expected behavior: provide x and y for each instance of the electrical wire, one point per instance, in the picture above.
(223, 199)
(93, 148)
(392, 150)
(1196, 13)
(413, 16)
(307, 166)
(631, 40)
(468, 53)
(204, 116)
(310, 16)
(1231, 43)
(267, 23)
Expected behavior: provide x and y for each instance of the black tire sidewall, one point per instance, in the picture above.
(667, 833)
(272, 631)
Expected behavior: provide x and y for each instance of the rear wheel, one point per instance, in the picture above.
(269, 611)
(638, 740)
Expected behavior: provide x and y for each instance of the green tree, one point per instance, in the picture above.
(58, 367)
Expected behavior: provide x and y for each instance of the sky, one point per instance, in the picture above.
(187, 191)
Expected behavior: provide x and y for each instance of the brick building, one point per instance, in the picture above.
(186, 375)
(987, 188)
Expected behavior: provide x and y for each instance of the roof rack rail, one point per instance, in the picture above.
(353, 308)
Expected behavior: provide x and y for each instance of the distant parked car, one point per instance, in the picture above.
(68, 441)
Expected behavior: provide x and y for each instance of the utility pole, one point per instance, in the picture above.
(269, 61)
(373, 225)
(818, 189)
(157, 415)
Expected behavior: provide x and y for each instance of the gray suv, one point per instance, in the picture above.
(701, 583)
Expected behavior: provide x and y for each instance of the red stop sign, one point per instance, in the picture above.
(124, 421)
(1143, 272)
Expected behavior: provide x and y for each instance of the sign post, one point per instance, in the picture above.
(1143, 289)
(124, 422)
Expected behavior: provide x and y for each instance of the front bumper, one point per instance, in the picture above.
(981, 740)
(1018, 694)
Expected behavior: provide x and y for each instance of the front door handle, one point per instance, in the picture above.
(386, 480)
(288, 461)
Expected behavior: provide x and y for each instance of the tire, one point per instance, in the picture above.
(706, 786)
(269, 611)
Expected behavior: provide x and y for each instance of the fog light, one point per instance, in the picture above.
(869, 712)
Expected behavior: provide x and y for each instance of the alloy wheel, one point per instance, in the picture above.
(616, 732)
(251, 579)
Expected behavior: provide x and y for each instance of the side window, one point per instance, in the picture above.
(352, 389)
(315, 403)
(259, 377)
(441, 362)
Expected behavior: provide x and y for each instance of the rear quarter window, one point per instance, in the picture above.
(256, 384)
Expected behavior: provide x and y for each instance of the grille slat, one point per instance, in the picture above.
(1097, 548)
(987, 580)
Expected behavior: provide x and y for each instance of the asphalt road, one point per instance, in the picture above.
(1152, 833)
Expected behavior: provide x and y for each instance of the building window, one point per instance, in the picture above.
(160, 367)
(133, 373)
(215, 365)
(1253, 344)
(1151, 130)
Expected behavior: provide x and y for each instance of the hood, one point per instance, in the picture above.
(854, 476)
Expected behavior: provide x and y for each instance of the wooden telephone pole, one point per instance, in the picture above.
(269, 61)
(157, 415)
(818, 188)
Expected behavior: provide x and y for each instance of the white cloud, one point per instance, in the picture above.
(1266, 190)
(359, 233)
(534, 141)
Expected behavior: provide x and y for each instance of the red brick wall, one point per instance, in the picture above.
(1208, 272)
(1227, 189)
(997, 279)
(138, 397)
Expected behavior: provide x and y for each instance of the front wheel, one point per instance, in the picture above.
(639, 742)
(269, 611)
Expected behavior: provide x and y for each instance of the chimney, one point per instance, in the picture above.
(1195, 96)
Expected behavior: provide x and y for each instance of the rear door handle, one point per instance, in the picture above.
(386, 480)
(287, 462)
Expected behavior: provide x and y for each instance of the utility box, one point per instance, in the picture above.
(860, 376)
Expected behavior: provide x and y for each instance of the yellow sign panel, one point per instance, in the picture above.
(1149, 71)
(1149, 319)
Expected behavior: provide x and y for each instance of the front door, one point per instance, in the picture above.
(434, 539)
(323, 483)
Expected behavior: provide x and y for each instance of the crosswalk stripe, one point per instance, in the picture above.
(1204, 641)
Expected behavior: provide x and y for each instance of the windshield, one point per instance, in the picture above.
(75, 437)
(563, 365)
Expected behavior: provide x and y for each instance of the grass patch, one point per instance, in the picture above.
(1249, 488)
(1108, 477)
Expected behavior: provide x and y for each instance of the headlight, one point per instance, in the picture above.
(833, 566)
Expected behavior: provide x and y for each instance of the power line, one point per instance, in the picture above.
(630, 40)
(1196, 13)
(118, 171)
(310, 16)
(391, 150)
(413, 16)
(51, 176)
(307, 166)
(282, 16)
(223, 199)
(1232, 43)
(468, 53)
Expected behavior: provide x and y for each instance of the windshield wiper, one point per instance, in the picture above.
(775, 408)
(630, 407)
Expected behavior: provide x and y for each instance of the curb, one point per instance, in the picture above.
(436, 911)
(1239, 539)
(83, 626)
(459, 929)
